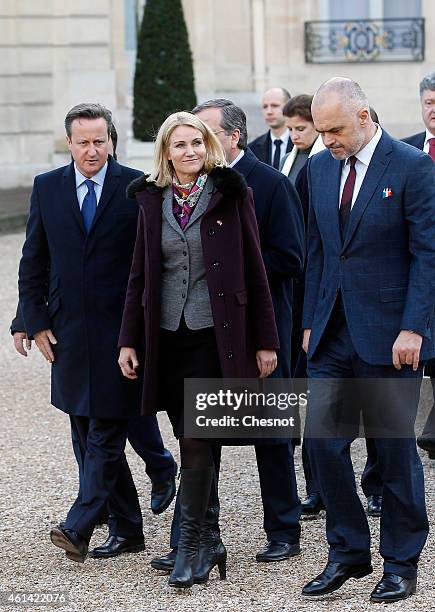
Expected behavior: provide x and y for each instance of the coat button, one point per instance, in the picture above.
(230, 355)
(210, 232)
(220, 294)
(216, 264)
(225, 325)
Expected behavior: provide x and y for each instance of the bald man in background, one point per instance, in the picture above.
(272, 146)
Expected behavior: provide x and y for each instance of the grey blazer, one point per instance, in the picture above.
(184, 286)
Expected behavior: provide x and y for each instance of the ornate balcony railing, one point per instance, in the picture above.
(364, 40)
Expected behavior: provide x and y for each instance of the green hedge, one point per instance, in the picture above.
(163, 81)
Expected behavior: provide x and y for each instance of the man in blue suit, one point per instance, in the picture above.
(72, 281)
(281, 228)
(368, 313)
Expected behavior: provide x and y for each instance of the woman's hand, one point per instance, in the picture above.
(128, 362)
(266, 362)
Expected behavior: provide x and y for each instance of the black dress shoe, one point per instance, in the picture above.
(75, 547)
(115, 545)
(374, 505)
(162, 493)
(165, 563)
(312, 505)
(393, 588)
(277, 551)
(427, 444)
(333, 577)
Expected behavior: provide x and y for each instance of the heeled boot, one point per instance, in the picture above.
(211, 550)
(194, 498)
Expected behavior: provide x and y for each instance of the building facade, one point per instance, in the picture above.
(55, 54)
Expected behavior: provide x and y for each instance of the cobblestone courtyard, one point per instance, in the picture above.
(38, 478)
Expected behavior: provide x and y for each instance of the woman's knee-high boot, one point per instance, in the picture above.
(194, 499)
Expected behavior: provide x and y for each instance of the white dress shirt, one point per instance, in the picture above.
(238, 158)
(81, 186)
(363, 159)
(284, 142)
(426, 141)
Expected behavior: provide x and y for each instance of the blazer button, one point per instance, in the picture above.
(230, 355)
(183, 295)
(184, 281)
(210, 232)
(184, 253)
(342, 257)
(184, 267)
(216, 264)
(220, 294)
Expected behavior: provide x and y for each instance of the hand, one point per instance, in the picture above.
(19, 338)
(44, 339)
(128, 362)
(406, 349)
(306, 339)
(266, 362)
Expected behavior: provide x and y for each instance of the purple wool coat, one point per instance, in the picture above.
(240, 299)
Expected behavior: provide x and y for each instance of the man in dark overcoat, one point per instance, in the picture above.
(72, 281)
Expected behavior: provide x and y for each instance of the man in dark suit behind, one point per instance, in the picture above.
(272, 146)
(426, 142)
(72, 280)
(368, 314)
(282, 236)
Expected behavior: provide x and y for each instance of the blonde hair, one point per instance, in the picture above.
(163, 171)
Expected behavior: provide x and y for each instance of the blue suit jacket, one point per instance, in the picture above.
(75, 284)
(282, 237)
(385, 267)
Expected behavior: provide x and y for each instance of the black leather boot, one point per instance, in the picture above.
(194, 498)
(211, 551)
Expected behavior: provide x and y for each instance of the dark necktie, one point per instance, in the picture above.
(277, 155)
(431, 142)
(346, 197)
(89, 206)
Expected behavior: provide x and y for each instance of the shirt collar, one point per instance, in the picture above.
(97, 178)
(428, 136)
(284, 137)
(366, 153)
(238, 158)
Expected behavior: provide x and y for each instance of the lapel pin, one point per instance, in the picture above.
(219, 222)
(387, 192)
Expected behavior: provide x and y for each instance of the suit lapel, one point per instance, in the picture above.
(167, 209)
(378, 165)
(203, 202)
(69, 196)
(332, 187)
(110, 185)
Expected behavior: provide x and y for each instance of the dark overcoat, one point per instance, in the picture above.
(261, 147)
(75, 283)
(239, 294)
(282, 238)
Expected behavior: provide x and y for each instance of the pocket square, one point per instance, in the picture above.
(387, 192)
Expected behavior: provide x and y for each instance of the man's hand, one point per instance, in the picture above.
(266, 362)
(306, 339)
(128, 362)
(406, 349)
(19, 338)
(44, 339)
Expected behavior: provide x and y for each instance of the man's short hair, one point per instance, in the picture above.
(88, 111)
(427, 82)
(114, 139)
(232, 118)
(299, 105)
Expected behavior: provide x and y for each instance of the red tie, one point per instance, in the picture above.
(431, 142)
(346, 198)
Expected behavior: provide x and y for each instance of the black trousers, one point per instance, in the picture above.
(106, 480)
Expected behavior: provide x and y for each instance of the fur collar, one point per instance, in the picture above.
(226, 180)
